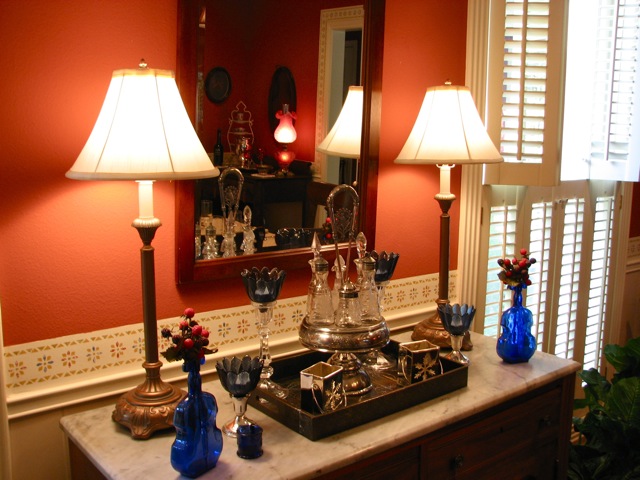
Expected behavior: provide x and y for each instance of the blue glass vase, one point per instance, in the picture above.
(198, 442)
(516, 343)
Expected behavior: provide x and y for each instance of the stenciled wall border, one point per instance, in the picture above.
(82, 357)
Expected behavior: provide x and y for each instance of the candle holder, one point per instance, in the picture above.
(456, 320)
(385, 266)
(263, 287)
(239, 378)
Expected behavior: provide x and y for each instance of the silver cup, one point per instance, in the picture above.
(418, 361)
(321, 388)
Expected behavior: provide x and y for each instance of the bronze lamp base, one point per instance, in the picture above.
(150, 406)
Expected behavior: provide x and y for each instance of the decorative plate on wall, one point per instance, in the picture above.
(217, 85)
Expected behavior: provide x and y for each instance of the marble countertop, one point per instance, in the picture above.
(289, 455)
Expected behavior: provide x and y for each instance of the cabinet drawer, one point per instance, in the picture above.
(401, 463)
(520, 436)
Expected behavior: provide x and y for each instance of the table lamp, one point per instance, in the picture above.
(447, 131)
(343, 140)
(285, 133)
(143, 133)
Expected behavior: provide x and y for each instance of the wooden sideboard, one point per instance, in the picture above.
(526, 438)
(511, 421)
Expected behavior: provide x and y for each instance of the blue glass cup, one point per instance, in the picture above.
(249, 441)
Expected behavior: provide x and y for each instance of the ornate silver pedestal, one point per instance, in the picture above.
(348, 332)
(344, 343)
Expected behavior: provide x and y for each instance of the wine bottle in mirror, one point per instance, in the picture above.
(218, 150)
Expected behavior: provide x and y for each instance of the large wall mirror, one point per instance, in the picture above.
(209, 38)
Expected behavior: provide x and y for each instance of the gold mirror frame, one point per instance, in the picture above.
(187, 269)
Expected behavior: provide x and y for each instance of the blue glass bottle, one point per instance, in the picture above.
(198, 442)
(516, 343)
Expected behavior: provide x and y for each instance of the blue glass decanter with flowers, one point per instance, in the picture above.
(198, 442)
(516, 343)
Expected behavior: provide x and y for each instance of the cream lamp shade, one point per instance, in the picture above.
(344, 138)
(143, 132)
(448, 130)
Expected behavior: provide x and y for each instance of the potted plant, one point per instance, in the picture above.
(610, 430)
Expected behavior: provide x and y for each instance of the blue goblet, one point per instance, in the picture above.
(456, 320)
(385, 266)
(239, 378)
(263, 287)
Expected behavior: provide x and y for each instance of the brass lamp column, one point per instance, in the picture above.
(447, 131)
(149, 406)
(143, 133)
(432, 328)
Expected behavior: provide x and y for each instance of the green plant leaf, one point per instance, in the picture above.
(579, 403)
(624, 401)
(596, 388)
(592, 377)
(611, 427)
(626, 360)
(634, 474)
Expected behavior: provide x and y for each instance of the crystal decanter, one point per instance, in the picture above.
(347, 335)
(230, 183)
(319, 303)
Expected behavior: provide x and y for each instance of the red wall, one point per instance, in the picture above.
(69, 260)
(424, 46)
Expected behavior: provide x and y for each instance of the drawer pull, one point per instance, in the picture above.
(457, 461)
(545, 421)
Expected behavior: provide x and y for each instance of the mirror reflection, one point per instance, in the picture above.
(263, 131)
(248, 54)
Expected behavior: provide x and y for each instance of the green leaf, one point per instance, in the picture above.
(626, 360)
(596, 388)
(579, 403)
(611, 427)
(624, 401)
(634, 474)
(592, 377)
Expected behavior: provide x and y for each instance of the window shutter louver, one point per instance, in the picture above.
(523, 96)
(551, 223)
(602, 91)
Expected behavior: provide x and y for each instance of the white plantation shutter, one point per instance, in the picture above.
(598, 286)
(524, 76)
(567, 277)
(568, 231)
(502, 229)
(524, 80)
(602, 104)
(581, 100)
(539, 246)
(578, 230)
